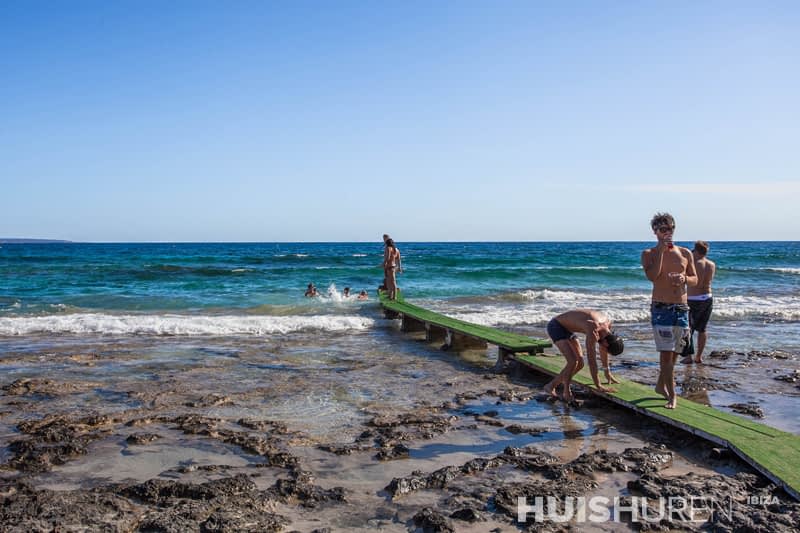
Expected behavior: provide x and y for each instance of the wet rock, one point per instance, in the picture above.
(466, 397)
(227, 504)
(491, 414)
(344, 449)
(721, 354)
(142, 438)
(264, 425)
(649, 459)
(301, 489)
(751, 355)
(730, 495)
(433, 522)
(511, 395)
(420, 419)
(467, 514)
(516, 429)
(440, 478)
(750, 408)
(398, 451)
(507, 496)
(36, 455)
(573, 433)
(792, 377)
(179, 516)
(211, 400)
(548, 398)
(695, 383)
(24, 509)
(48, 387)
(196, 425)
(768, 354)
(588, 463)
(401, 486)
(244, 520)
(529, 459)
(489, 421)
(200, 468)
(388, 430)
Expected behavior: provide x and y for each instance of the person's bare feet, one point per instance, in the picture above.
(687, 360)
(672, 404)
(662, 391)
(550, 389)
(698, 361)
(566, 394)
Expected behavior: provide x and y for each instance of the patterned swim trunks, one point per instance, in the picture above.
(670, 326)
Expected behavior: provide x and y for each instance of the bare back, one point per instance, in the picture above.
(706, 269)
(585, 321)
(391, 258)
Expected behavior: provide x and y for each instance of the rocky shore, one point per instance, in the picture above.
(275, 487)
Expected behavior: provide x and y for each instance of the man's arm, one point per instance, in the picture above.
(651, 262)
(691, 272)
(591, 358)
(606, 366)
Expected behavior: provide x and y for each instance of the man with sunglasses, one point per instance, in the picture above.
(671, 269)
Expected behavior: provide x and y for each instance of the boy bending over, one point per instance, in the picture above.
(597, 328)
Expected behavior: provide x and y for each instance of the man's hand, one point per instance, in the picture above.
(610, 379)
(605, 389)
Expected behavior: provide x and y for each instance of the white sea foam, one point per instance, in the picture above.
(103, 324)
(538, 307)
(786, 270)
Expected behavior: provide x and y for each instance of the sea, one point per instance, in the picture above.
(145, 311)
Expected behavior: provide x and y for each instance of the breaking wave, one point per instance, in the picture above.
(177, 325)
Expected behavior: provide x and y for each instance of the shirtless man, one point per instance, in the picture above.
(597, 328)
(700, 302)
(671, 269)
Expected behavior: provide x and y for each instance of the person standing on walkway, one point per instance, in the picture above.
(671, 269)
(391, 265)
(700, 302)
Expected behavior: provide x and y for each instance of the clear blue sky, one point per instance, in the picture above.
(339, 121)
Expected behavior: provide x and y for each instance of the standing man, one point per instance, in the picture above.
(700, 302)
(671, 269)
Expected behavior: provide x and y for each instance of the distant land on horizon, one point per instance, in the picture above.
(31, 241)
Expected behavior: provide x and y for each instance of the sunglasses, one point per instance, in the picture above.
(665, 229)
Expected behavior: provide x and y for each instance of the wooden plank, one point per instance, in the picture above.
(511, 341)
(772, 452)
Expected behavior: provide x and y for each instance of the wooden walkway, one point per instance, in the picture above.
(774, 453)
(458, 333)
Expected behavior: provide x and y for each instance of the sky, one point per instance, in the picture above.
(431, 121)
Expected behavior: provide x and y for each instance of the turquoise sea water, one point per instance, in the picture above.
(144, 310)
(756, 281)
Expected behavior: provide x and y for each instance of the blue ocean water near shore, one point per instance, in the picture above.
(231, 289)
(168, 302)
